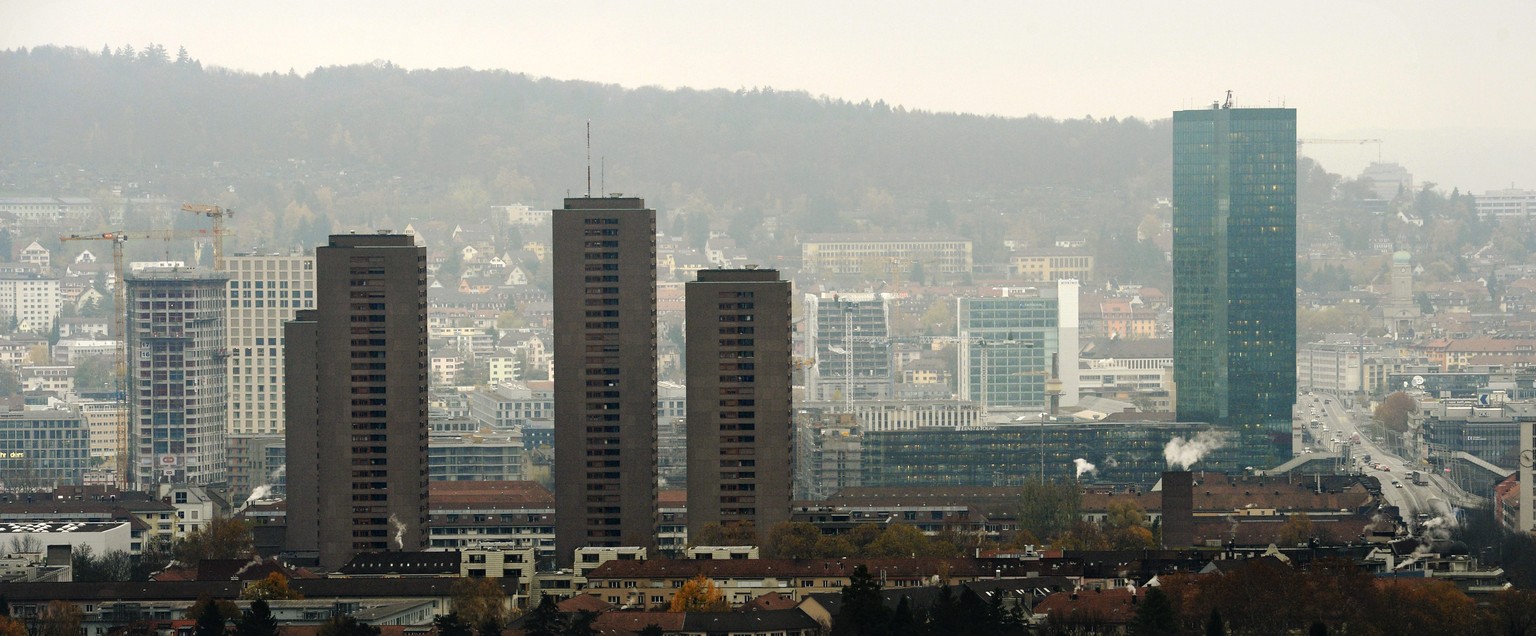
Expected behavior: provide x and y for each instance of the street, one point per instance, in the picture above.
(1411, 499)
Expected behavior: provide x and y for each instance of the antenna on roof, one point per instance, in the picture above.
(589, 158)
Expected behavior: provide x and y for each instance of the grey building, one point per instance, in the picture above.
(739, 435)
(850, 333)
(356, 405)
(177, 386)
(605, 374)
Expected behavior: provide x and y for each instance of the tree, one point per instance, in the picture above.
(115, 565)
(60, 618)
(791, 540)
(733, 534)
(217, 539)
(545, 619)
(451, 624)
(1393, 412)
(651, 630)
(1296, 530)
(218, 609)
(1155, 617)
(1214, 625)
(9, 383)
(480, 601)
(699, 594)
(863, 610)
(898, 540)
(345, 625)
(1510, 612)
(211, 622)
(581, 624)
(12, 627)
(1048, 509)
(273, 588)
(258, 621)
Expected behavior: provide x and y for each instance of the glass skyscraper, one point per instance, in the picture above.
(1234, 273)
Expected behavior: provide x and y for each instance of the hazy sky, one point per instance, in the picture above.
(1447, 87)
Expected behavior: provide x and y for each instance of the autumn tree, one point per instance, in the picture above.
(1296, 530)
(215, 609)
(898, 540)
(1125, 525)
(60, 618)
(12, 627)
(699, 594)
(273, 588)
(480, 601)
(218, 539)
(722, 535)
(1047, 509)
(791, 540)
(451, 624)
(1394, 411)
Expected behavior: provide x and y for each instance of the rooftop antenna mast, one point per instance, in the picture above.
(589, 158)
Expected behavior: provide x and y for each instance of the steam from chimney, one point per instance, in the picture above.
(394, 522)
(258, 493)
(1083, 466)
(1182, 453)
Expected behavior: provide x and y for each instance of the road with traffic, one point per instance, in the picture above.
(1397, 486)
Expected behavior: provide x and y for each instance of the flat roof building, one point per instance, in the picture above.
(356, 405)
(739, 435)
(605, 374)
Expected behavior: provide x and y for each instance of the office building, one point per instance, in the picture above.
(1234, 273)
(356, 406)
(850, 336)
(1008, 345)
(739, 435)
(1509, 203)
(605, 374)
(176, 374)
(264, 292)
(43, 449)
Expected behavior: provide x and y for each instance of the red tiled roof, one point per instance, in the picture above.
(584, 602)
(1113, 606)
(892, 567)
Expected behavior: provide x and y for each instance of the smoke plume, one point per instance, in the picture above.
(1083, 466)
(394, 522)
(257, 494)
(1182, 453)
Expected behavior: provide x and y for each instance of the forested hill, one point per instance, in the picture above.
(516, 138)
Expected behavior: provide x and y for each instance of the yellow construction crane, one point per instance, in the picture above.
(218, 215)
(119, 352)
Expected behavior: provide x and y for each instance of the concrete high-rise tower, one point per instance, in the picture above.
(1234, 274)
(356, 404)
(176, 360)
(605, 374)
(739, 420)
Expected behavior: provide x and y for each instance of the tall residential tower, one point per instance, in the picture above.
(356, 404)
(605, 374)
(739, 422)
(1234, 273)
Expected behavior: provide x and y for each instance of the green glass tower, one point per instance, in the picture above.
(1234, 274)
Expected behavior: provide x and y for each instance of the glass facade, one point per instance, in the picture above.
(42, 449)
(1234, 273)
(1123, 452)
(1007, 343)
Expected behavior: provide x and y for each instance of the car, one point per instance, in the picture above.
(1397, 484)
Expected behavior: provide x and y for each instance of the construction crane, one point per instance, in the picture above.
(120, 322)
(1349, 142)
(119, 352)
(218, 215)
